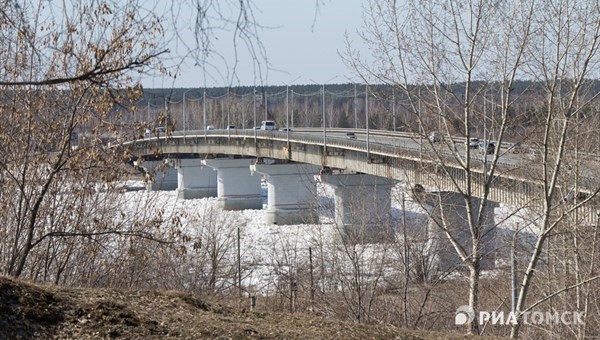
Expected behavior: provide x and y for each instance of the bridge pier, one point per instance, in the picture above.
(447, 208)
(362, 206)
(291, 192)
(194, 180)
(160, 175)
(237, 189)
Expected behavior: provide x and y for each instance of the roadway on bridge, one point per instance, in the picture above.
(377, 137)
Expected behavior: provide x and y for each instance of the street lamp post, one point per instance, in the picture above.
(254, 112)
(421, 129)
(292, 108)
(324, 122)
(324, 117)
(204, 113)
(394, 107)
(183, 115)
(367, 120)
(266, 105)
(222, 112)
(287, 117)
(355, 110)
(287, 111)
(167, 112)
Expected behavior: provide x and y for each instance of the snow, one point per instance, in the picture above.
(270, 252)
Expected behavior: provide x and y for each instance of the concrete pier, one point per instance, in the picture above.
(195, 180)
(449, 210)
(160, 175)
(237, 188)
(291, 192)
(362, 206)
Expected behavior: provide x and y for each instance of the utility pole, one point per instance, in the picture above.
(204, 113)
(394, 107)
(355, 110)
(254, 112)
(324, 122)
(367, 119)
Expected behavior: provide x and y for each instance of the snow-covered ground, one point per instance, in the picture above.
(269, 252)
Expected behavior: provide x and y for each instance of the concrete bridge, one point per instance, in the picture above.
(362, 168)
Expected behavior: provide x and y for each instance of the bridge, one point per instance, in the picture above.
(361, 167)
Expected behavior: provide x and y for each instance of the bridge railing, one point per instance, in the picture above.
(518, 168)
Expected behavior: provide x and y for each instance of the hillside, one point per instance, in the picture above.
(32, 311)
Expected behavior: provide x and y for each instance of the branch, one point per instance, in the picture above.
(93, 73)
(113, 232)
(546, 298)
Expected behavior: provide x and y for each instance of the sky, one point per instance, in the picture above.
(302, 47)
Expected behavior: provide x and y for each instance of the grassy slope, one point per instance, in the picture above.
(28, 311)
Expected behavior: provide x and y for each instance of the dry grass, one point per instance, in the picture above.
(33, 311)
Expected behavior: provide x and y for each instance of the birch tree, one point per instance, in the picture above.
(455, 62)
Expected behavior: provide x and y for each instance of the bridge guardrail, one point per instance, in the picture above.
(375, 147)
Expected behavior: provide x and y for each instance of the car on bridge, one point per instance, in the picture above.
(487, 147)
(351, 135)
(435, 137)
(155, 132)
(473, 143)
(268, 125)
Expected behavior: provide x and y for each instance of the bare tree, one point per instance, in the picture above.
(68, 88)
(458, 64)
(213, 255)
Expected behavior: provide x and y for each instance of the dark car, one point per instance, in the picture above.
(487, 147)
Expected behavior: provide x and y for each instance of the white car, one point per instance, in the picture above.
(435, 137)
(473, 143)
(268, 125)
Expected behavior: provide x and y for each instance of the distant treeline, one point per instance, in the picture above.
(347, 106)
(383, 90)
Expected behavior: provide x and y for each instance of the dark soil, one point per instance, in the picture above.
(32, 311)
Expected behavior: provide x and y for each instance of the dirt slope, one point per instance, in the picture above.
(31, 311)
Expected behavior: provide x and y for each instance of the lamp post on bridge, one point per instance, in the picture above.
(367, 120)
(167, 112)
(394, 107)
(204, 112)
(183, 116)
(355, 110)
(324, 122)
(254, 111)
(287, 111)
(148, 112)
(324, 118)
(228, 114)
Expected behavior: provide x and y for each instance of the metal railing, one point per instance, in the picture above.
(302, 136)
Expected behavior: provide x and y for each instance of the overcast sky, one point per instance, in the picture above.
(301, 48)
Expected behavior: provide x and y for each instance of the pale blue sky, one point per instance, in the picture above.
(301, 48)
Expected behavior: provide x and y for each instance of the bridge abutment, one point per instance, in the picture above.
(362, 206)
(194, 180)
(448, 209)
(291, 192)
(237, 188)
